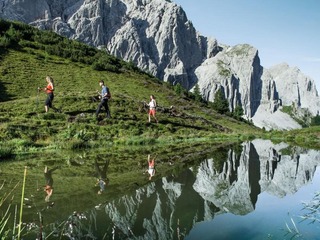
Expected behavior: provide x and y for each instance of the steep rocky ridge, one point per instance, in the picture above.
(159, 38)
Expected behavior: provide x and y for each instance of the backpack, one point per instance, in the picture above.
(109, 93)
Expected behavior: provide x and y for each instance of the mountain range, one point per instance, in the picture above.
(158, 37)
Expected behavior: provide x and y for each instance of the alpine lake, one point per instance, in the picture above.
(251, 190)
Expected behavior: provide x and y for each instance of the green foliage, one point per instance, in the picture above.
(132, 66)
(14, 34)
(288, 110)
(240, 49)
(225, 72)
(103, 62)
(220, 103)
(7, 217)
(302, 116)
(197, 93)
(6, 152)
(237, 112)
(178, 89)
(4, 232)
(5, 41)
(315, 121)
(223, 69)
(47, 38)
(18, 35)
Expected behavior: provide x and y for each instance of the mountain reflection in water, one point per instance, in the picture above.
(225, 190)
(168, 209)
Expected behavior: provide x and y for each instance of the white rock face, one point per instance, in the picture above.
(159, 38)
(235, 70)
(284, 174)
(216, 188)
(235, 189)
(300, 91)
(265, 118)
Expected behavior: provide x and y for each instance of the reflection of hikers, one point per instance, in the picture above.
(152, 108)
(49, 182)
(105, 96)
(102, 180)
(49, 90)
(151, 168)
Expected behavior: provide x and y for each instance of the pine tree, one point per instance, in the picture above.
(178, 89)
(220, 103)
(237, 112)
(197, 93)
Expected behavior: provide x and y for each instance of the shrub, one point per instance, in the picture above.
(5, 42)
(6, 152)
(315, 121)
(74, 144)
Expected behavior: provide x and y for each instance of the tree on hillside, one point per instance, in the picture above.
(237, 112)
(315, 121)
(178, 89)
(220, 103)
(197, 93)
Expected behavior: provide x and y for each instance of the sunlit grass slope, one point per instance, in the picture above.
(24, 126)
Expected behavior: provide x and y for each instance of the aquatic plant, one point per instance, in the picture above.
(312, 209)
(4, 219)
(292, 230)
(312, 214)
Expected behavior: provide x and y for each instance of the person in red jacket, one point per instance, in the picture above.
(151, 167)
(50, 96)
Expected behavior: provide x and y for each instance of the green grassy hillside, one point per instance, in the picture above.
(29, 55)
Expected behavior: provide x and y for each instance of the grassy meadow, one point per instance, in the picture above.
(26, 128)
(73, 139)
(24, 122)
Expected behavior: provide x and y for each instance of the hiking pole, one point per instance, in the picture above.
(38, 97)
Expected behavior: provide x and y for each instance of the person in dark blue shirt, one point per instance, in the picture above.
(102, 179)
(49, 182)
(105, 95)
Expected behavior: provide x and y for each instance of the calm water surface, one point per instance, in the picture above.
(256, 192)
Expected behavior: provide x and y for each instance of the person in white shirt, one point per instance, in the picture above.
(152, 108)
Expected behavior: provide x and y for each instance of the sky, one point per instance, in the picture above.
(282, 30)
